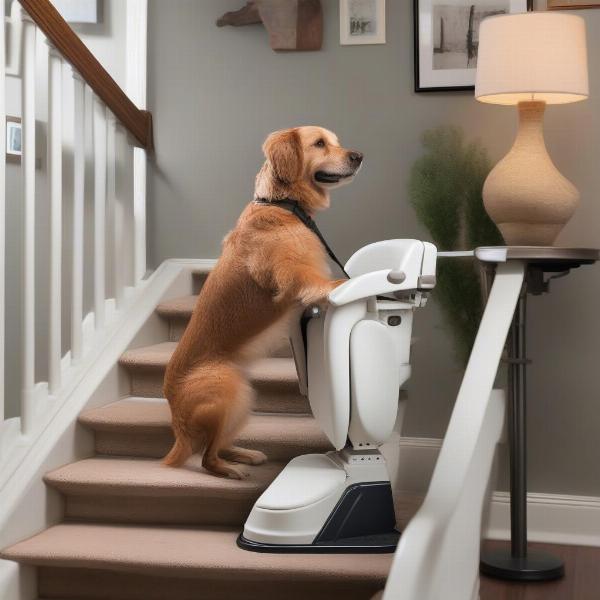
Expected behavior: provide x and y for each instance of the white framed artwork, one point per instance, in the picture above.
(362, 22)
(13, 139)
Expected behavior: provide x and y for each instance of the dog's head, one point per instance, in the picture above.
(306, 162)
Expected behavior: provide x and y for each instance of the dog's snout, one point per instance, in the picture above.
(355, 158)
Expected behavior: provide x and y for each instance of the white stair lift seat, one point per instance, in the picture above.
(352, 360)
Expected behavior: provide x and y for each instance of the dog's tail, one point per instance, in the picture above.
(182, 449)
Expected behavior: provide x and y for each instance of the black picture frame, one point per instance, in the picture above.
(417, 85)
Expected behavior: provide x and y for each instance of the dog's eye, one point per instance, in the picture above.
(320, 143)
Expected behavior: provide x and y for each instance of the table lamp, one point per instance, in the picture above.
(530, 60)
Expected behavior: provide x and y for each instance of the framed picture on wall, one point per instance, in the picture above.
(362, 22)
(560, 4)
(446, 40)
(13, 139)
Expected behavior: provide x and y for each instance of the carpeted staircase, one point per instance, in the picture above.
(134, 529)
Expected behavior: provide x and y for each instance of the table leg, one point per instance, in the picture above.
(519, 563)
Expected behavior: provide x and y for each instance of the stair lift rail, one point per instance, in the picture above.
(438, 553)
(119, 137)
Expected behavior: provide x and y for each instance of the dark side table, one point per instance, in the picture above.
(541, 264)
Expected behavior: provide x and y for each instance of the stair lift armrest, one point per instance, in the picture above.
(375, 283)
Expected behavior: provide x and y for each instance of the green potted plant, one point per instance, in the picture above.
(445, 188)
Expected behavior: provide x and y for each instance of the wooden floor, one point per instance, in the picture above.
(581, 581)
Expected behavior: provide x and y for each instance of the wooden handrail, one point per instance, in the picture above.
(67, 43)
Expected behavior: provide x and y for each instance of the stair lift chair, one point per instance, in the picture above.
(352, 358)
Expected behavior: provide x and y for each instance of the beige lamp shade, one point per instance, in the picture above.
(536, 56)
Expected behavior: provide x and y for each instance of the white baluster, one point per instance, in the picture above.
(99, 133)
(136, 61)
(116, 213)
(28, 235)
(139, 214)
(55, 195)
(78, 200)
(2, 206)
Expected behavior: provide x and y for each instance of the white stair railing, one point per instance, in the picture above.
(40, 400)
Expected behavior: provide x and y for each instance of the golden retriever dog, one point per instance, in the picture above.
(271, 266)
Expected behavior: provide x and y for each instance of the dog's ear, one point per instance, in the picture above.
(284, 152)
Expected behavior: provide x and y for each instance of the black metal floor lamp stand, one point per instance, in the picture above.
(519, 563)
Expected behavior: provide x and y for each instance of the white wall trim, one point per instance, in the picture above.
(200, 265)
(552, 518)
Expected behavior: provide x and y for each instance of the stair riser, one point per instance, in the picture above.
(158, 443)
(197, 510)
(89, 584)
(173, 510)
(270, 397)
(177, 326)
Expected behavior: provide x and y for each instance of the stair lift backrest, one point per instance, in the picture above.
(357, 354)
(328, 362)
(379, 366)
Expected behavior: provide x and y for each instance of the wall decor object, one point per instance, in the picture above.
(79, 11)
(573, 4)
(362, 22)
(13, 139)
(444, 188)
(291, 24)
(529, 61)
(446, 40)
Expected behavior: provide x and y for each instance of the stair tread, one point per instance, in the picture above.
(148, 477)
(267, 370)
(210, 552)
(148, 414)
(177, 308)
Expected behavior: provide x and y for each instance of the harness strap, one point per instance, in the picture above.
(295, 208)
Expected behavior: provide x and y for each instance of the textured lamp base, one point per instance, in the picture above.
(529, 234)
(525, 194)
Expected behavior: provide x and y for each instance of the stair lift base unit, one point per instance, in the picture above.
(319, 504)
(352, 359)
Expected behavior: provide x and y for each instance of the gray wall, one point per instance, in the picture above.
(216, 93)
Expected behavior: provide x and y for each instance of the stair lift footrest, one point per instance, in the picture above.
(363, 507)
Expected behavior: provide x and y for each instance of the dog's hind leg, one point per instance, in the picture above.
(181, 450)
(215, 440)
(218, 398)
(238, 418)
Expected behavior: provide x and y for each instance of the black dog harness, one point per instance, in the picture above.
(295, 208)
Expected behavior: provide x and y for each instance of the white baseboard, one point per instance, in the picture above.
(552, 518)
